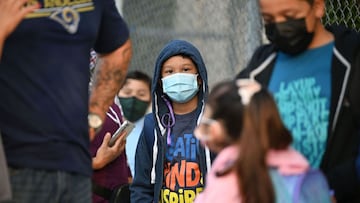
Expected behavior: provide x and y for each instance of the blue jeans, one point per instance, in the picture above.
(31, 185)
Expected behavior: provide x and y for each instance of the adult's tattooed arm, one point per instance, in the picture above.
(109, 76)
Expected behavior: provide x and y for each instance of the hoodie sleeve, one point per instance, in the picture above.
(142, 191)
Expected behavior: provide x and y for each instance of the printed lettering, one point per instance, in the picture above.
(184, 147)
(63, 3)
(180, 196)
(177, 175)
(305, 113)
(192, 174)
(185, 174)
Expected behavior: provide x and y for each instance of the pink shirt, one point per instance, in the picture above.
(225, 188)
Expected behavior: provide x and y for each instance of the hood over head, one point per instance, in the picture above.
(173, 48)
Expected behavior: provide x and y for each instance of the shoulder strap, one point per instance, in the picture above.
(120, 194)
(100, 190)
(281, 189)
(313, 182)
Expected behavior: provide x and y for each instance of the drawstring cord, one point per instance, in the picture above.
(168, 119)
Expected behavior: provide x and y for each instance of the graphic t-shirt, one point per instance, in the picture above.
(183, 179)
(302, 89)
(44, 78)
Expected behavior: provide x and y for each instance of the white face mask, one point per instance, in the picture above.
(180, 87)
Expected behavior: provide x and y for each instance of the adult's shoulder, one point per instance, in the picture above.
(264, 51)
(110, 40)
(342, 32)
(347, 40)
(260, 54)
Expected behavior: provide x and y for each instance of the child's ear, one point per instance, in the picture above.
(319, 8)
(199, 80)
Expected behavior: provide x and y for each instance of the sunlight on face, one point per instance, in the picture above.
(178, 64)
(274, 11)
(135, 88)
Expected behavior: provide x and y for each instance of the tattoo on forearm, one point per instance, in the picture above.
(109, 77)
(106, 85)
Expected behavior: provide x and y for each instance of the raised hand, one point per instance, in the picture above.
(11, 14)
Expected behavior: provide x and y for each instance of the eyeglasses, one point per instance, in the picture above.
(202, 130)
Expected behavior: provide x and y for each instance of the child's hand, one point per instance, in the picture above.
(106, 154)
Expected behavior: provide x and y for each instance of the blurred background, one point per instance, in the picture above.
(226, 32)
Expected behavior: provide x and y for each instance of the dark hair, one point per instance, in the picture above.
(138, 75)
(258, 128)
(226, 106)
(263, 130)
(310, 1)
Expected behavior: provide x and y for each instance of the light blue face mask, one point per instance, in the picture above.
(180, 87)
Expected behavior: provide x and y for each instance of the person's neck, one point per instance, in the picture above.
(184, 108)
(321, 37)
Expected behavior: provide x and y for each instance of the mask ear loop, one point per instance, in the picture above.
(168, 119)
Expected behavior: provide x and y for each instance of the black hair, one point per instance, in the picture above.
(310, 1)
(139, 75)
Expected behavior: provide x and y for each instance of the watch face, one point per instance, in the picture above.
(94, 121)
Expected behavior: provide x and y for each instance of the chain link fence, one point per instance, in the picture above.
(345, 12)
(226, 32)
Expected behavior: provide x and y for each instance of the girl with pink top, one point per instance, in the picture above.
(255, 161)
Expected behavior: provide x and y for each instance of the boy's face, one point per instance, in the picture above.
(178, 64)
(180, 80)
(135, 88)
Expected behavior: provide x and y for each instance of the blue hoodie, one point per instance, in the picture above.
(152, 145)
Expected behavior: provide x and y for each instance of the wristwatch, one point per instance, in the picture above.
(94, 121)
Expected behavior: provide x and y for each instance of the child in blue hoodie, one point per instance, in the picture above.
(170, 163)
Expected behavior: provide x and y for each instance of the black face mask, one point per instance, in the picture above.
(133, 108)
(290, 37)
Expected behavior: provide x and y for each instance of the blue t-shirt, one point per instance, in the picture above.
(131, 144)
(183, 179)
(302, 89)
(44, 76)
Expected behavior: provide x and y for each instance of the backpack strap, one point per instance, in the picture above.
(102, 191)
(120, 194)
(297, 190)
(281, 189)
(314, 181)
